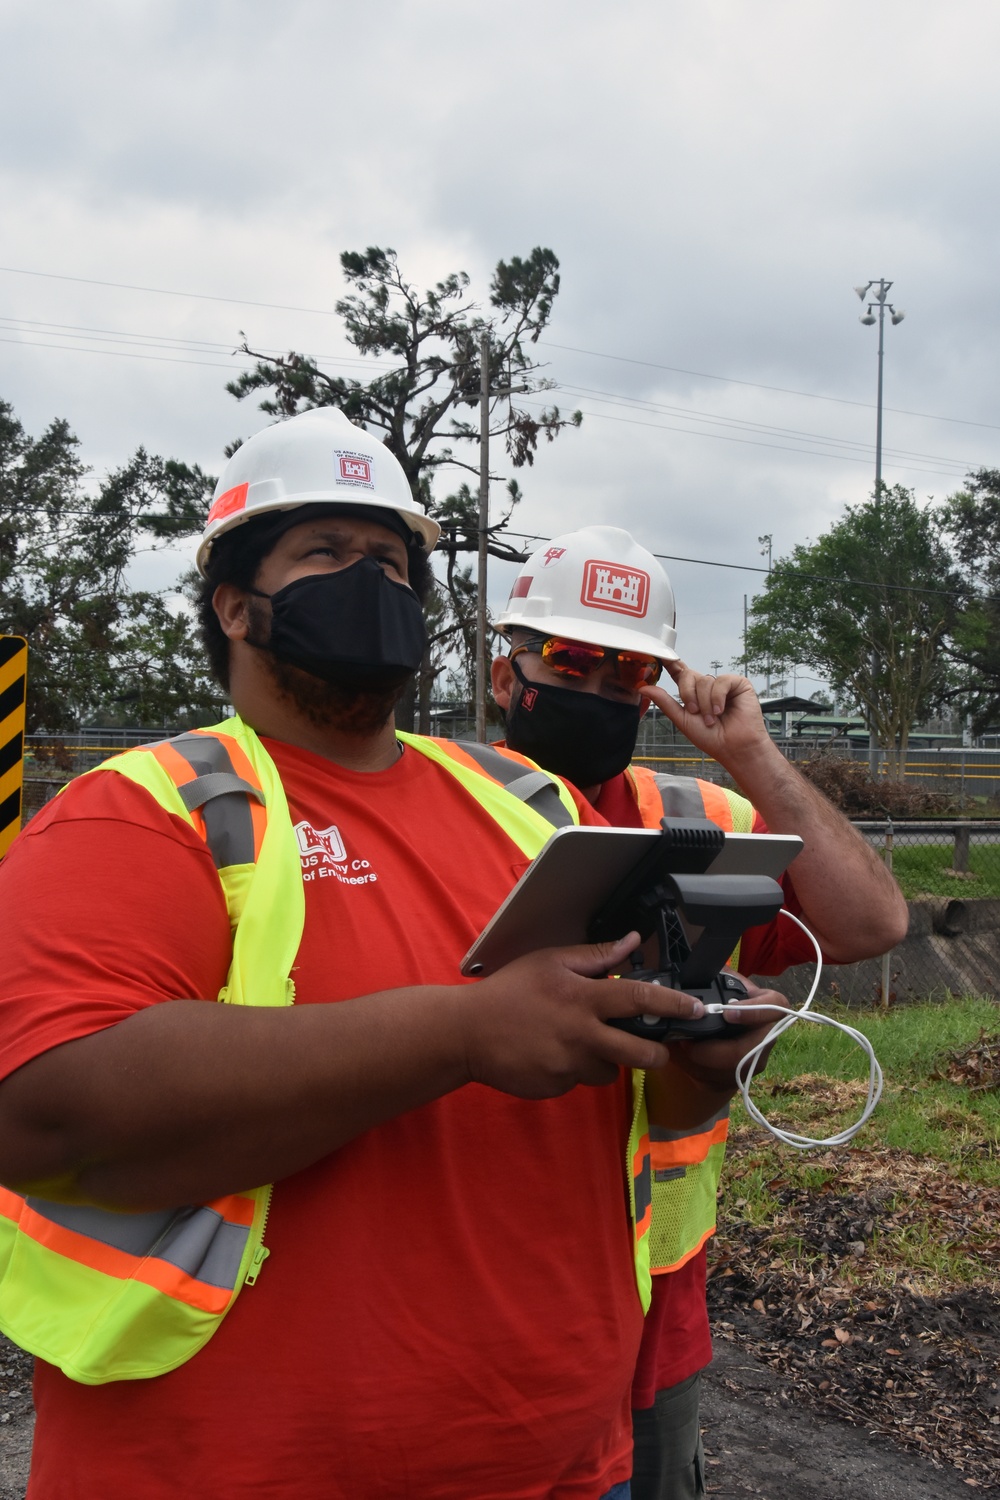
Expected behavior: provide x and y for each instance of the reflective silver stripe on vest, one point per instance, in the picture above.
(222, 797)
(536, 788)
(680, 796)
(659, 1133)
(198, 1241)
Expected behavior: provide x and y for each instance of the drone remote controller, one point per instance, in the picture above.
(712, 1027)
(698, 919)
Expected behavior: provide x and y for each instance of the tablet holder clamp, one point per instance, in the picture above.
(673, 881)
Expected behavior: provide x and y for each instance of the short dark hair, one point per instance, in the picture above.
(236, 558)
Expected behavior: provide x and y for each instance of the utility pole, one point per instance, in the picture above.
(876, 294)
(486, 395)
(484, 533)
(765, 551)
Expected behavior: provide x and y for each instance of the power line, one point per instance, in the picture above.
(641, 403)
(722, 437)
(159, 340)
(206, 364)
(861, 583)
(759, 386)
(163, 291)
(547, 343)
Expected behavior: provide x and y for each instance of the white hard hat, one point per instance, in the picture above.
(599, 586)
(315, 458)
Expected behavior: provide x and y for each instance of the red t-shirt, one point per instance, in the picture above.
(449, 1308)
(676, 1339)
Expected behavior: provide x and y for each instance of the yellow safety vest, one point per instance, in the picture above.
(112, 1296)
(685, 1165)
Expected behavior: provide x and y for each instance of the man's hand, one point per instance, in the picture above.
(719, 715)
(537, 1027)
(848, 898)
(714, 1064)
(701, 1076)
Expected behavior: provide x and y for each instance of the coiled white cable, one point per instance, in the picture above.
(748, 1064)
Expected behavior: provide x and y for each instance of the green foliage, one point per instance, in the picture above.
(921, 870)
(99, 650)
(424, 393)
(971, 519)
(815, 1083)
(919, 1112)
(868, 606)
(430, 345)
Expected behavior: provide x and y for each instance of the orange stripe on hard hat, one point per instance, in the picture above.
(229, 503)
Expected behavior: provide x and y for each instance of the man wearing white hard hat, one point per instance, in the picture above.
(355, 1230)
(591, 626)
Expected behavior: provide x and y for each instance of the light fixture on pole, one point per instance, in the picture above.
(876, 294)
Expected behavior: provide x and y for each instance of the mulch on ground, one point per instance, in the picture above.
(815, 1294)
(976, 1066)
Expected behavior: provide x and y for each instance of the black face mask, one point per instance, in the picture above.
(582, 736)
(356, 628)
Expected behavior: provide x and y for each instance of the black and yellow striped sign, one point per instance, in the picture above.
(13, 680)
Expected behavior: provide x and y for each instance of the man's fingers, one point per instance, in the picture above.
(594, 959)
(666, 703)
(748, 1012)
(620, 1049)
(634, 997)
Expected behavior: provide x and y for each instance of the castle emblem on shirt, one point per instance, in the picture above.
(323, 853)
(326, 841)
(610, 586)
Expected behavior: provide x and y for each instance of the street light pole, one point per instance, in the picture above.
(876, 293)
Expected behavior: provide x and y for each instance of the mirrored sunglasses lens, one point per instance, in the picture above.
(572, 658)
(637, 671)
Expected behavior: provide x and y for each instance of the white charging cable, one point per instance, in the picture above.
(748, 1064)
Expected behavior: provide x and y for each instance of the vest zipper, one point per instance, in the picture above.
(639, 1092)
(262, 1252)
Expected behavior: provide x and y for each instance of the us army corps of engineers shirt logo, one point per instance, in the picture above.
(324, 856)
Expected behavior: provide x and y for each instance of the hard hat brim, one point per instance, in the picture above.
(615, 638)
(422, 526)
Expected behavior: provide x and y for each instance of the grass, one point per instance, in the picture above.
(920, 870)
(931, 1150)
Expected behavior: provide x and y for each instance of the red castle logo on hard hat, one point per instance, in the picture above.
(608, 585)
(356, 468)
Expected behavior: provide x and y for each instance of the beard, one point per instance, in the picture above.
(354, 700)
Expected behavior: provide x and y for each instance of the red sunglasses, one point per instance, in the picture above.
(577, 659)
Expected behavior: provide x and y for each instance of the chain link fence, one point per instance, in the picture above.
(948, 867)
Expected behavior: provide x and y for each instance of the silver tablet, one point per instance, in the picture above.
(578, 870)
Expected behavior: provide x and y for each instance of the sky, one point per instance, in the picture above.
(715, 178)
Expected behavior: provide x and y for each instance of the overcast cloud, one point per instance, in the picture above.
(714, 177)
